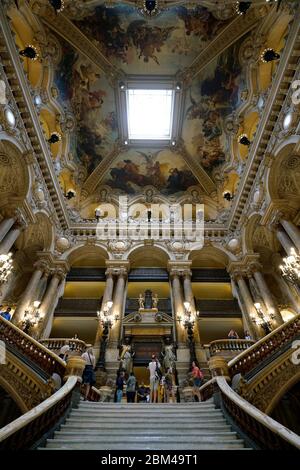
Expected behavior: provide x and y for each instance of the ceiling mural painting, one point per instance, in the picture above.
(164, 45)
(165, 170)
(210, 100)
(86, 93)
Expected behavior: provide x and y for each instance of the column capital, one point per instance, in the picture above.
(41, 265)
(118, 267)
(59, 273)
(179, 268)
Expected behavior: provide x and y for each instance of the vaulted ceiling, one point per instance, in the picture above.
(211, 51)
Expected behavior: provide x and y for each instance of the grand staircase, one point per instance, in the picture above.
(134, 426)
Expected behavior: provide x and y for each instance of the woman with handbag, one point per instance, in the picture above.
(88, 375)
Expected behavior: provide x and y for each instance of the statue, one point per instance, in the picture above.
(169, 356)
(155, 301)
(141, 301)
(126, 357)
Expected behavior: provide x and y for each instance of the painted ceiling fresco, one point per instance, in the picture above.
(165, 170)
(163, 45)
(213, 96)
(87, 94)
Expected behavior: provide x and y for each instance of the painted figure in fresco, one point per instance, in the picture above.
(199, 22)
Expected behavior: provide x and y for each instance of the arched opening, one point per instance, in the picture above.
(76, 312)
(9, 409)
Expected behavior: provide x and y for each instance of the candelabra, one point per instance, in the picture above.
(32, 316)
(189, 323)
(107, 319)
(262, 319)
(6, 263)
(291, 268)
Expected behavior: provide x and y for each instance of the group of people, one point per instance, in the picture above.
(5, 312)
(233, 335)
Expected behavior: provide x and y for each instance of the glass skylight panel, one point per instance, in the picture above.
(150, 114)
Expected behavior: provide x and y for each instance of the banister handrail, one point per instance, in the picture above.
(260, 418)
(230, 345)
(64, 341)
(263, 348)
(31, 347)
(39, 410)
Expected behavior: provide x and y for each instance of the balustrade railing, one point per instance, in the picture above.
(264, 348)
(55, 344)
(229, 345)
(31, 349)
(264, 432)
(26, 431)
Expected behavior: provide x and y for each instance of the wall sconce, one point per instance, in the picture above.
(54, 138)
(105, 316)
(32, 316)
(263, 320)
(269, 55)
(6, 263)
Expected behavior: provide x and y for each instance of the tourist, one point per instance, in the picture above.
(6, 314)
(142, 393)
(197, 379)
(247, 335)
(64, 352)
(131, 388)
(233, 335)
(88, 375)
(120, 382)
(154, 367)
(169, 386)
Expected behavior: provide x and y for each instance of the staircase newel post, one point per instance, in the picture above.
(218, 367)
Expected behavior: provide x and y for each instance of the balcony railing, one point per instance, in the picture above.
(77, 347)
(230, 347)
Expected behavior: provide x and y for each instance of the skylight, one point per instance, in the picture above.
(150, 114)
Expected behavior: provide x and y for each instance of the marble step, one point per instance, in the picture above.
(145, 413)
(111, 427)
(178, 421)
(204, 445)
(116, 436)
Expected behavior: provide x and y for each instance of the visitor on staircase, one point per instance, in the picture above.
(154, 367)
(120, 382)
(198, 379)
(233, 335)
(131, 388)
(88, 375)
(6, 313)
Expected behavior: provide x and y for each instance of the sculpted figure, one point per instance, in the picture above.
(141, 301)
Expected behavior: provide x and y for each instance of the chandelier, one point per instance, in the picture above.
(291, 267)
(262, 319)
(6, 263)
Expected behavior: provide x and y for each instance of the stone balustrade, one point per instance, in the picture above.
(77, 347)
(228, 347)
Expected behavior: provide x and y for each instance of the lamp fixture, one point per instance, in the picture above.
(269, 55)
(54, 138)
(242, 7)
(105, 316)
(6, 263)
(244, 140)
(290, 268)
(30, 52)
(32, 316)
(98, 214)
(262, 319)
(58, 5)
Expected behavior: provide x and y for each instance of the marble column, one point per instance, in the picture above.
(284, 240)
(237, 295)
(107, 296)
(178, 306)
(267, 297)
(49, 299)
(9, 240)
(292, 231)
(189, 297)
(5, 226)
(118, 302)
(60, 292)
(250, 310)
(287, 292)
(28, 295)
